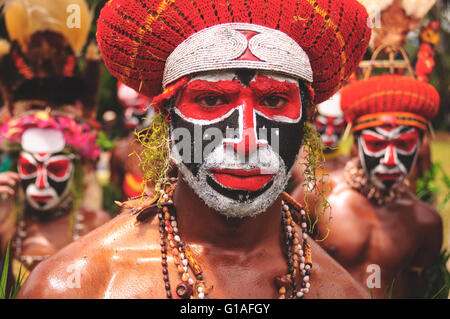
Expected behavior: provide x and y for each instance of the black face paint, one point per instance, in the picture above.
(45, 178)
(287, 151)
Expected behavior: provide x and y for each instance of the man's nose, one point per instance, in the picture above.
(248, 139)
(41, 180)
(389, 156)
(330, 130)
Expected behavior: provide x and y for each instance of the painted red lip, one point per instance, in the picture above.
(41, 199)
(249, 180)
(388, 177)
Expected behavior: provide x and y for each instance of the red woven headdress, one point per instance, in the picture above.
(389, 99)
(136, 37)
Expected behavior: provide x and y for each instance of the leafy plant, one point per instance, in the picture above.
(428, 186)
(13, 291)
(437, 278)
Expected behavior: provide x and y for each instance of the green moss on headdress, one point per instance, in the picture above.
(154, 158)
(315, 185)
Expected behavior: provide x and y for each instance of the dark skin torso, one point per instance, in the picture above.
(331, 164)
(403, 235)
(239, 258)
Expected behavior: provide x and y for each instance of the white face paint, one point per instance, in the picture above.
(247, 170)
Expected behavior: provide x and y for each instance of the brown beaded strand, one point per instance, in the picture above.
(299, 256)
(296, 252)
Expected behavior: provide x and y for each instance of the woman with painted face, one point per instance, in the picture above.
(379, 231)
(329, 122)
(237, 84)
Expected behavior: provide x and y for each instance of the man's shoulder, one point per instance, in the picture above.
(426, 215)
(331, 280)
(346, 201)
(87, 261)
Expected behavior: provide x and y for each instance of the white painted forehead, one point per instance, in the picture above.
(43, 140)
(331, 107)
(225, 75)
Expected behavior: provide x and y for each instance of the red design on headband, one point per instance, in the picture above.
(248, 55)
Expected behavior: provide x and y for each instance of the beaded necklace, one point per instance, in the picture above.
(193, 284)
(356, 177)
(21, 235)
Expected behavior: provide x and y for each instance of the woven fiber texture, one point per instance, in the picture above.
(389, 93)
(136, 36)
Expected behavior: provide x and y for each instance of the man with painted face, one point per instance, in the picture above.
(48, 171)
(125, 171)
(379, 231)
(238, 84)
(330, 124)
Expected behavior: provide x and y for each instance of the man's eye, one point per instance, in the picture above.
(377, 145)
(274, 101)
(26, 167)
(212, 100)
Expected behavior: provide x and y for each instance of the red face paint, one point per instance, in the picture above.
(251, 180)
(403, 142)
(388, 152)
(252, 111)
(59, 168)
(330, 128)
(206, 100)
(210, 101)
(26, 168)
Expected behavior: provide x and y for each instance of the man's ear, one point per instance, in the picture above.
(311, 111)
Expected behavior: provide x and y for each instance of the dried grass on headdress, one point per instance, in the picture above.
(154, 159)
(25, 17)
(314, 184)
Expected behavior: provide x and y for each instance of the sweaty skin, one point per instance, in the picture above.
(403, 237)
(239, 257)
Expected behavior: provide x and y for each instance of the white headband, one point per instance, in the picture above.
(219, 48)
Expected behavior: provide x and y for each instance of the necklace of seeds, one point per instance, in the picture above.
(21, 235)
(193, 285)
